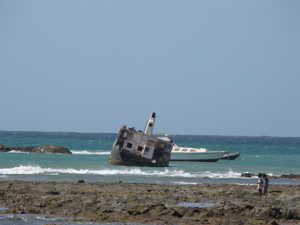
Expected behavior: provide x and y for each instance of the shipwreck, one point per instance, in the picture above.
(140, 148)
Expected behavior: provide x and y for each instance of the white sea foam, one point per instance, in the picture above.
(84, 152)
(185, 183)
(15, 151)
(75, 152)
(35, 169)
(22, 170)
(221, 175)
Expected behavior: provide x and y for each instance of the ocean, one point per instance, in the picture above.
(89, 162)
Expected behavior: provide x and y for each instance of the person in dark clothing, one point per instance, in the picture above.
(266, 183)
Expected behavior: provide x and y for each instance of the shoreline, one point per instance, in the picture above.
(152, 203)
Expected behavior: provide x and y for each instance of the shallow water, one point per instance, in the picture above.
(38, 219)
(195, 204)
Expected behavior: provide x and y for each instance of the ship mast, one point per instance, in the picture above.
(150, 124)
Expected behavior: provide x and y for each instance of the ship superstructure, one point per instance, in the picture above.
(140, 148)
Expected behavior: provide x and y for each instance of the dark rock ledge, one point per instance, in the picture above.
(288, 176)
(139, 203)
(41, 149)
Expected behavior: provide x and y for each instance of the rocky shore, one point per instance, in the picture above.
(41, 149)
(153, 204)
(288, 176)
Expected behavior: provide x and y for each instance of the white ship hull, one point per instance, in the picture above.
(197, 156)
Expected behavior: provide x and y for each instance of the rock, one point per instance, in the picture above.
(52, 149)
(41, 149)
(291, 176)
(248, 175)
(3, 148)
(270, 177)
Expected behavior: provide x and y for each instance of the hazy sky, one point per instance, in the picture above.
(208, 67)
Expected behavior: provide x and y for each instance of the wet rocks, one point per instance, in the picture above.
(152, 203)
(248, 175)
(291, 176)
(288, 176)
(52, 149)
(41, 149)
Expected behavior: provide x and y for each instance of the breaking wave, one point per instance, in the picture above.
(33, 169)
(84, 152)
(75, 152)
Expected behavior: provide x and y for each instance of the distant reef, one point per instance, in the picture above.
(41, 149)
(289, 176)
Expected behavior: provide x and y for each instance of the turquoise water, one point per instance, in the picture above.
(91, 151)
(89, 161)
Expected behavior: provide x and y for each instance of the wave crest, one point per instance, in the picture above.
(36, 169)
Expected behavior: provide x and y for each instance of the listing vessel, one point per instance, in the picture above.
(140, 148)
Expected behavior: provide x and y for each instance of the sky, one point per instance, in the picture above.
(206, 67)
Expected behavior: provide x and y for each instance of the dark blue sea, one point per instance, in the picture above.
(89, 162)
